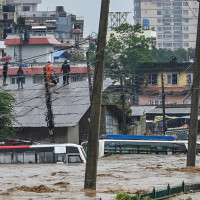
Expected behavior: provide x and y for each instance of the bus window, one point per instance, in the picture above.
(60, 157)
(74, 159)
(29, 157)
(40, 157)
(72, 150)
(49, 157)
(7, 158)
(18, 157)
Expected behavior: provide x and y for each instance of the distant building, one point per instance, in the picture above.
(15, 15)
(37, 47)
(174, 21)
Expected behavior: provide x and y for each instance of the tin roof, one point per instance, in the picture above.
(140, 110)
(69, 104)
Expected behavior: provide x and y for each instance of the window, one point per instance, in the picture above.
(177, 20)
(159, 45)
(186, 44)
(5, 16)
(152, 79)
(166, 4)
(185, 3)
(186, 36)
(177, 36)
(74, 159)
(185, 12)
(177, 45)
(177, 28)
(159, 28)
(189, 79)
(185, 28)
(177, 12)
(185, 20)
(159, 20)
(159, 36)
(167, 28)
(155, 102)
(167, 20)
(158, 4)
(158, 12)
(172, 79)
(176, 4)
(26, 8)
(167, 45)
(167, 36)
(166, 12)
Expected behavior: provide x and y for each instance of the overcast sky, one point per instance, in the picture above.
(89, 9)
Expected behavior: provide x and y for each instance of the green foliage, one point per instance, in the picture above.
(126, 49)
(165, 55)
(77, 57)
(125, 196)
(6, 114)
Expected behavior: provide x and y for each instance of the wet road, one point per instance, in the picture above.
(116, 173)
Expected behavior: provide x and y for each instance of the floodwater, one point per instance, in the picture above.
(128, 173)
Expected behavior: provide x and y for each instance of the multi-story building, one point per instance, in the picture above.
(177, 83)
(15, 15)
(175, 21)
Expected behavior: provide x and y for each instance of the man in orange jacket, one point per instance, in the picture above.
(49, 70)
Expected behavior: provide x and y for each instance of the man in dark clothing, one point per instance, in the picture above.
(20, 79)
(65, 69)
(5, 70)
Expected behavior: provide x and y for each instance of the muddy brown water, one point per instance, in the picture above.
(128, 173)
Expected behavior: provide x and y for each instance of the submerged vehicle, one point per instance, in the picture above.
(42, 153)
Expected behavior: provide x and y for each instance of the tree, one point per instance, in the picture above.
(6, 114)
(125, 50)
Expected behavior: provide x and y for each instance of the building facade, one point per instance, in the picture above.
(174, 21)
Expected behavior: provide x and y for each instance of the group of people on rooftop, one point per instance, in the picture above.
(65, 69)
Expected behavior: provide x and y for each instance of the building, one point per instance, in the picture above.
(17, 15)
(174, 21)
(70, 105)
(34, 75)
(36, 47)
(177, 82)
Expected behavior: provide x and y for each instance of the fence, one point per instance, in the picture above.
(163, 194)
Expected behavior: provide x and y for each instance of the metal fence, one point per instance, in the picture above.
(163, 194)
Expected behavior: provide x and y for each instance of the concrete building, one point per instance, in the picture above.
(16, 15)
(38, 47)
(174, 21)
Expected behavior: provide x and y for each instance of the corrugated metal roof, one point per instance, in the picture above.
(140, 110)
(69, 104)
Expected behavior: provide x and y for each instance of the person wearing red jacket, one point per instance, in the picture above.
(49, 70)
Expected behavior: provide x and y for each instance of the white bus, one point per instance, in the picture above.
(115, 146)
(42, 153)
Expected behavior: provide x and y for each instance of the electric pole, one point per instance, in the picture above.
(95, 113)
(89, 76)
(49, 116)
(163, 104)
(191, 155)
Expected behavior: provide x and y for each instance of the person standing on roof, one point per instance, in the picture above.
(65, 69)
(20, 79)
(5, 70)
(49, 70)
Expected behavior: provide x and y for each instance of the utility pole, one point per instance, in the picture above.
(95, 113)
(163, 104)
(89, 76)
(49, 117)
(123, 105)
(191, 155)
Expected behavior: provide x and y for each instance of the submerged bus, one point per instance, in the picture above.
(115, 146)
(42, 153)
